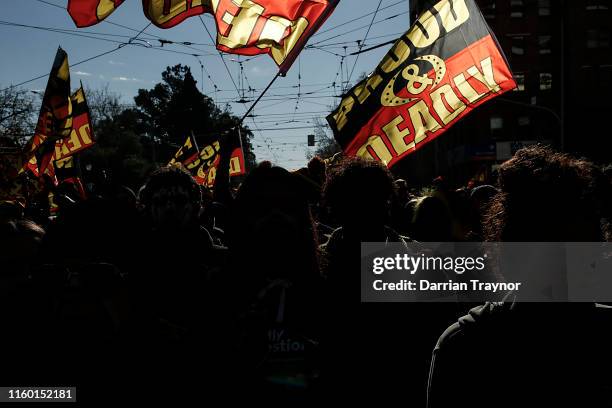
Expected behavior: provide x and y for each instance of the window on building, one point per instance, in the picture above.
(518, 45)
(594, 5)
(524, 121)
(604, 39)
(605, 76)
(544, 7)
(497, 122)
(519, 78)
(545, 81)
(488, 9)
(517, 8)
(597, 39)
(591, 39)
(544, 44)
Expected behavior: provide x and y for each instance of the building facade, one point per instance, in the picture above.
(560, 55)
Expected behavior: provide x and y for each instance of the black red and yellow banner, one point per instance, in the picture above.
(79, 138)
(11, 188)
(55, 118)
(447, 64)
(279, 28)
(86, 13)
(203, 162)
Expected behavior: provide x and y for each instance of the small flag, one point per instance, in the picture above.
(202, 163)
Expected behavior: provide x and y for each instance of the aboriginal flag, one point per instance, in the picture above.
(279, 28)
(86, 13)
(67, 172)
(202, 163)
(55, 118)
(81, 134)
(187, 153)
(447, 64)
(79, 138)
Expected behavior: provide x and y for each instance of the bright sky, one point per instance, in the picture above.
(280, 130)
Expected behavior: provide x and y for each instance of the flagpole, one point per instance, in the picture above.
(258, 98)
(195, 142)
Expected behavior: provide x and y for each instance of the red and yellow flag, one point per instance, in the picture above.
(202, 163)
(279, 28)
(79, 138)
(86, 13)
(447, 64)
(55, 118)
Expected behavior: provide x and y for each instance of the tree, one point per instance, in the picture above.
(175, 107)
(119, 155)
(326, 145)
(17, 116)
(103, 104)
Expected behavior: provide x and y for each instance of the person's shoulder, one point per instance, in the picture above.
(333, 239)
(394, 236)
(479, 319)
(603, 315)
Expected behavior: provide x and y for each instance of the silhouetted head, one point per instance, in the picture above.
(10, 210)
(19, 244)
(359, 192)
(401, 190)
(432, 221)
(547, 196)
(271, 221)
(480, 198)
(317, 169)
(172, 199)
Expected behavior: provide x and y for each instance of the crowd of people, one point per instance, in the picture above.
(179, 291)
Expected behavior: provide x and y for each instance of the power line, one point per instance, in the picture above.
(356, 19)
(73, 65)
(341, 43)
(83, 61)
(362, 43)
(162, 40)
(359, 28)
(131, 41)
(286, 128)
(283, 114)
(220, 55)
(66, 30)
(8, 23)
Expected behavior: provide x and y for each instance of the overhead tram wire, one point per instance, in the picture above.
(83, 61)
(340, 44)
(285, 99)
(282, 87)
(162, 40)
(83, 35)
(203, 69)
(356, 19)
(365, 37)
(287, 128)
(232, 78)
(68, 31)
(299, 94)
(358, 28)
(284, 114)
(220, 55)
(10, 24)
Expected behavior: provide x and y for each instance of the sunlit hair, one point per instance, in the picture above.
(167, 177)
(547, 196)
(354, 175)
